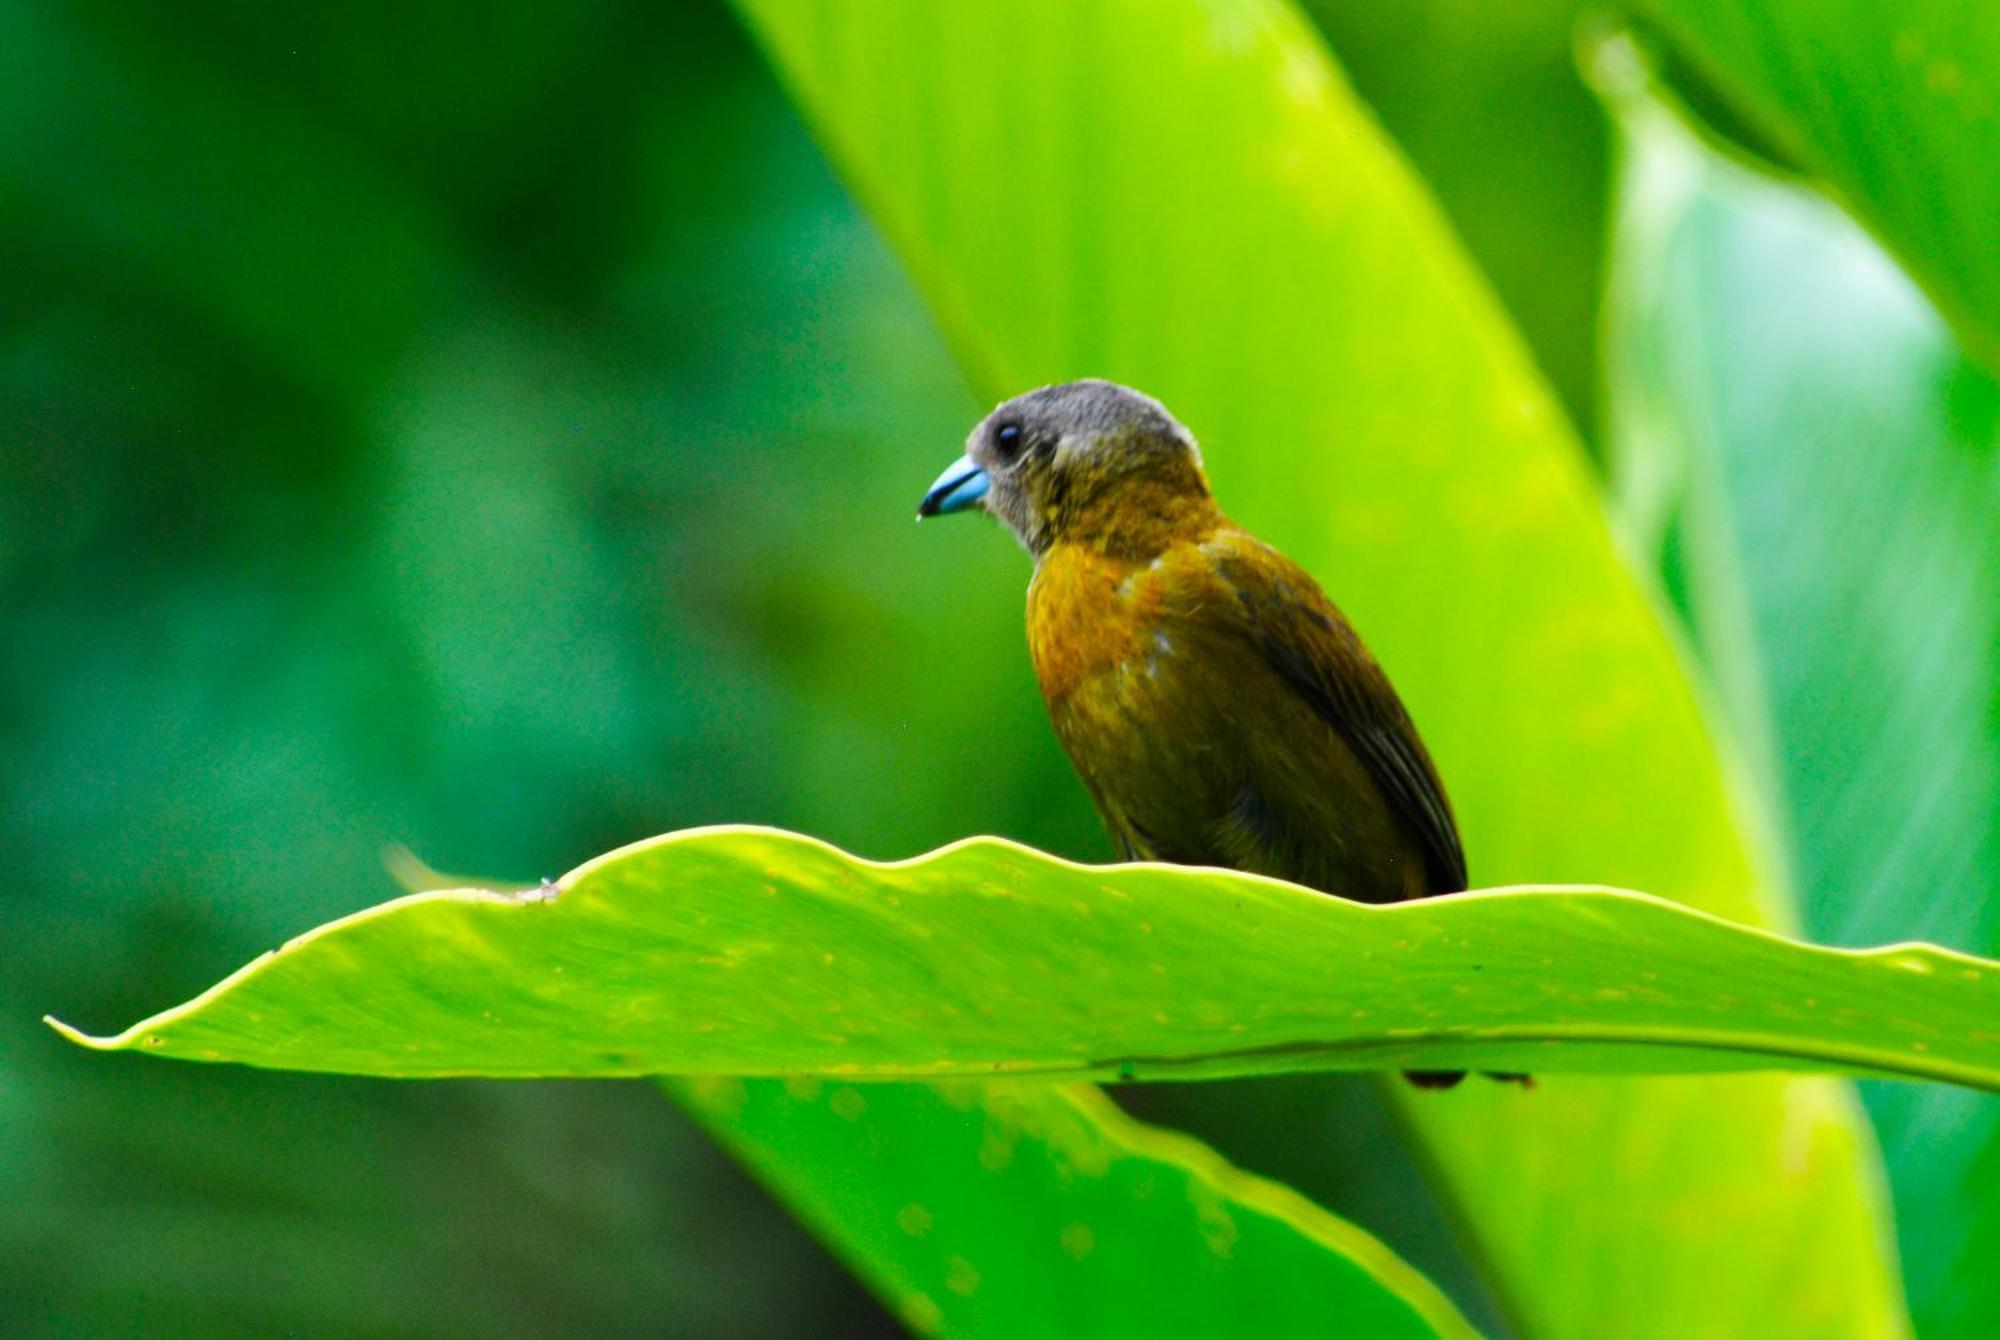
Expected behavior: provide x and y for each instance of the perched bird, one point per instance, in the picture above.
(1218, 707)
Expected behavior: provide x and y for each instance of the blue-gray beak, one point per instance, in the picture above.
(959, 487)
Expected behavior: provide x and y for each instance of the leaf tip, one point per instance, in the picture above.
(79, 1037)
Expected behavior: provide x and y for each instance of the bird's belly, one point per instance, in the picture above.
(1222, 765)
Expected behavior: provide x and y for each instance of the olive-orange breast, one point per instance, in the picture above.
(1084, 617)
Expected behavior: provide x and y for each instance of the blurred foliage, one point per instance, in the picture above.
(1816, 467)
(1895, 107)
(1485, 101)
(1031, 1208)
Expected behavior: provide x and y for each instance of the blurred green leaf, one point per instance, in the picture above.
(1029, 1209)
(1486, 101)
(758, 952)
(1185, 197)
(1896, 106)
(1803, 446)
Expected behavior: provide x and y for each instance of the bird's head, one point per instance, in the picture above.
(1089, 461)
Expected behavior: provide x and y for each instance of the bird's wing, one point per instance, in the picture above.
(1314, 650)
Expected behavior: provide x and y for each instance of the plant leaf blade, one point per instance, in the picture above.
(756, 952)
(988, 1209)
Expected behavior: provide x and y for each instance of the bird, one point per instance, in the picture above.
(1218, 707)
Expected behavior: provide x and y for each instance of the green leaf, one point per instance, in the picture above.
(1800, 439)
(758, 952)
(1896, 106)
(996, 1209)
(1185, 197)
(1485, 101)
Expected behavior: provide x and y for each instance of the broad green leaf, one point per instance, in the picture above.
(757, 952)
(1896, 106)
(1485, 100)
(1803, 445)
(1032, 1209)
(1184, 196)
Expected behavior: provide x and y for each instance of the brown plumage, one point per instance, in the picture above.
(1219, 708)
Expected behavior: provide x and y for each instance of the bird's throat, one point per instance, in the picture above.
(1135, 522)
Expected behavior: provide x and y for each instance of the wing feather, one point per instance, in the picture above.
(1314, 650)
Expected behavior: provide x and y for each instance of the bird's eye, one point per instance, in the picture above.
(1007, 438)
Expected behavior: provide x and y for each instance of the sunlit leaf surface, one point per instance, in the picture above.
(756, 952)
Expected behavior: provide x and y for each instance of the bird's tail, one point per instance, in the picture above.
(1445, 1079)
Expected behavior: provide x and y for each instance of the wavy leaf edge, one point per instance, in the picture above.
(1914, 956)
